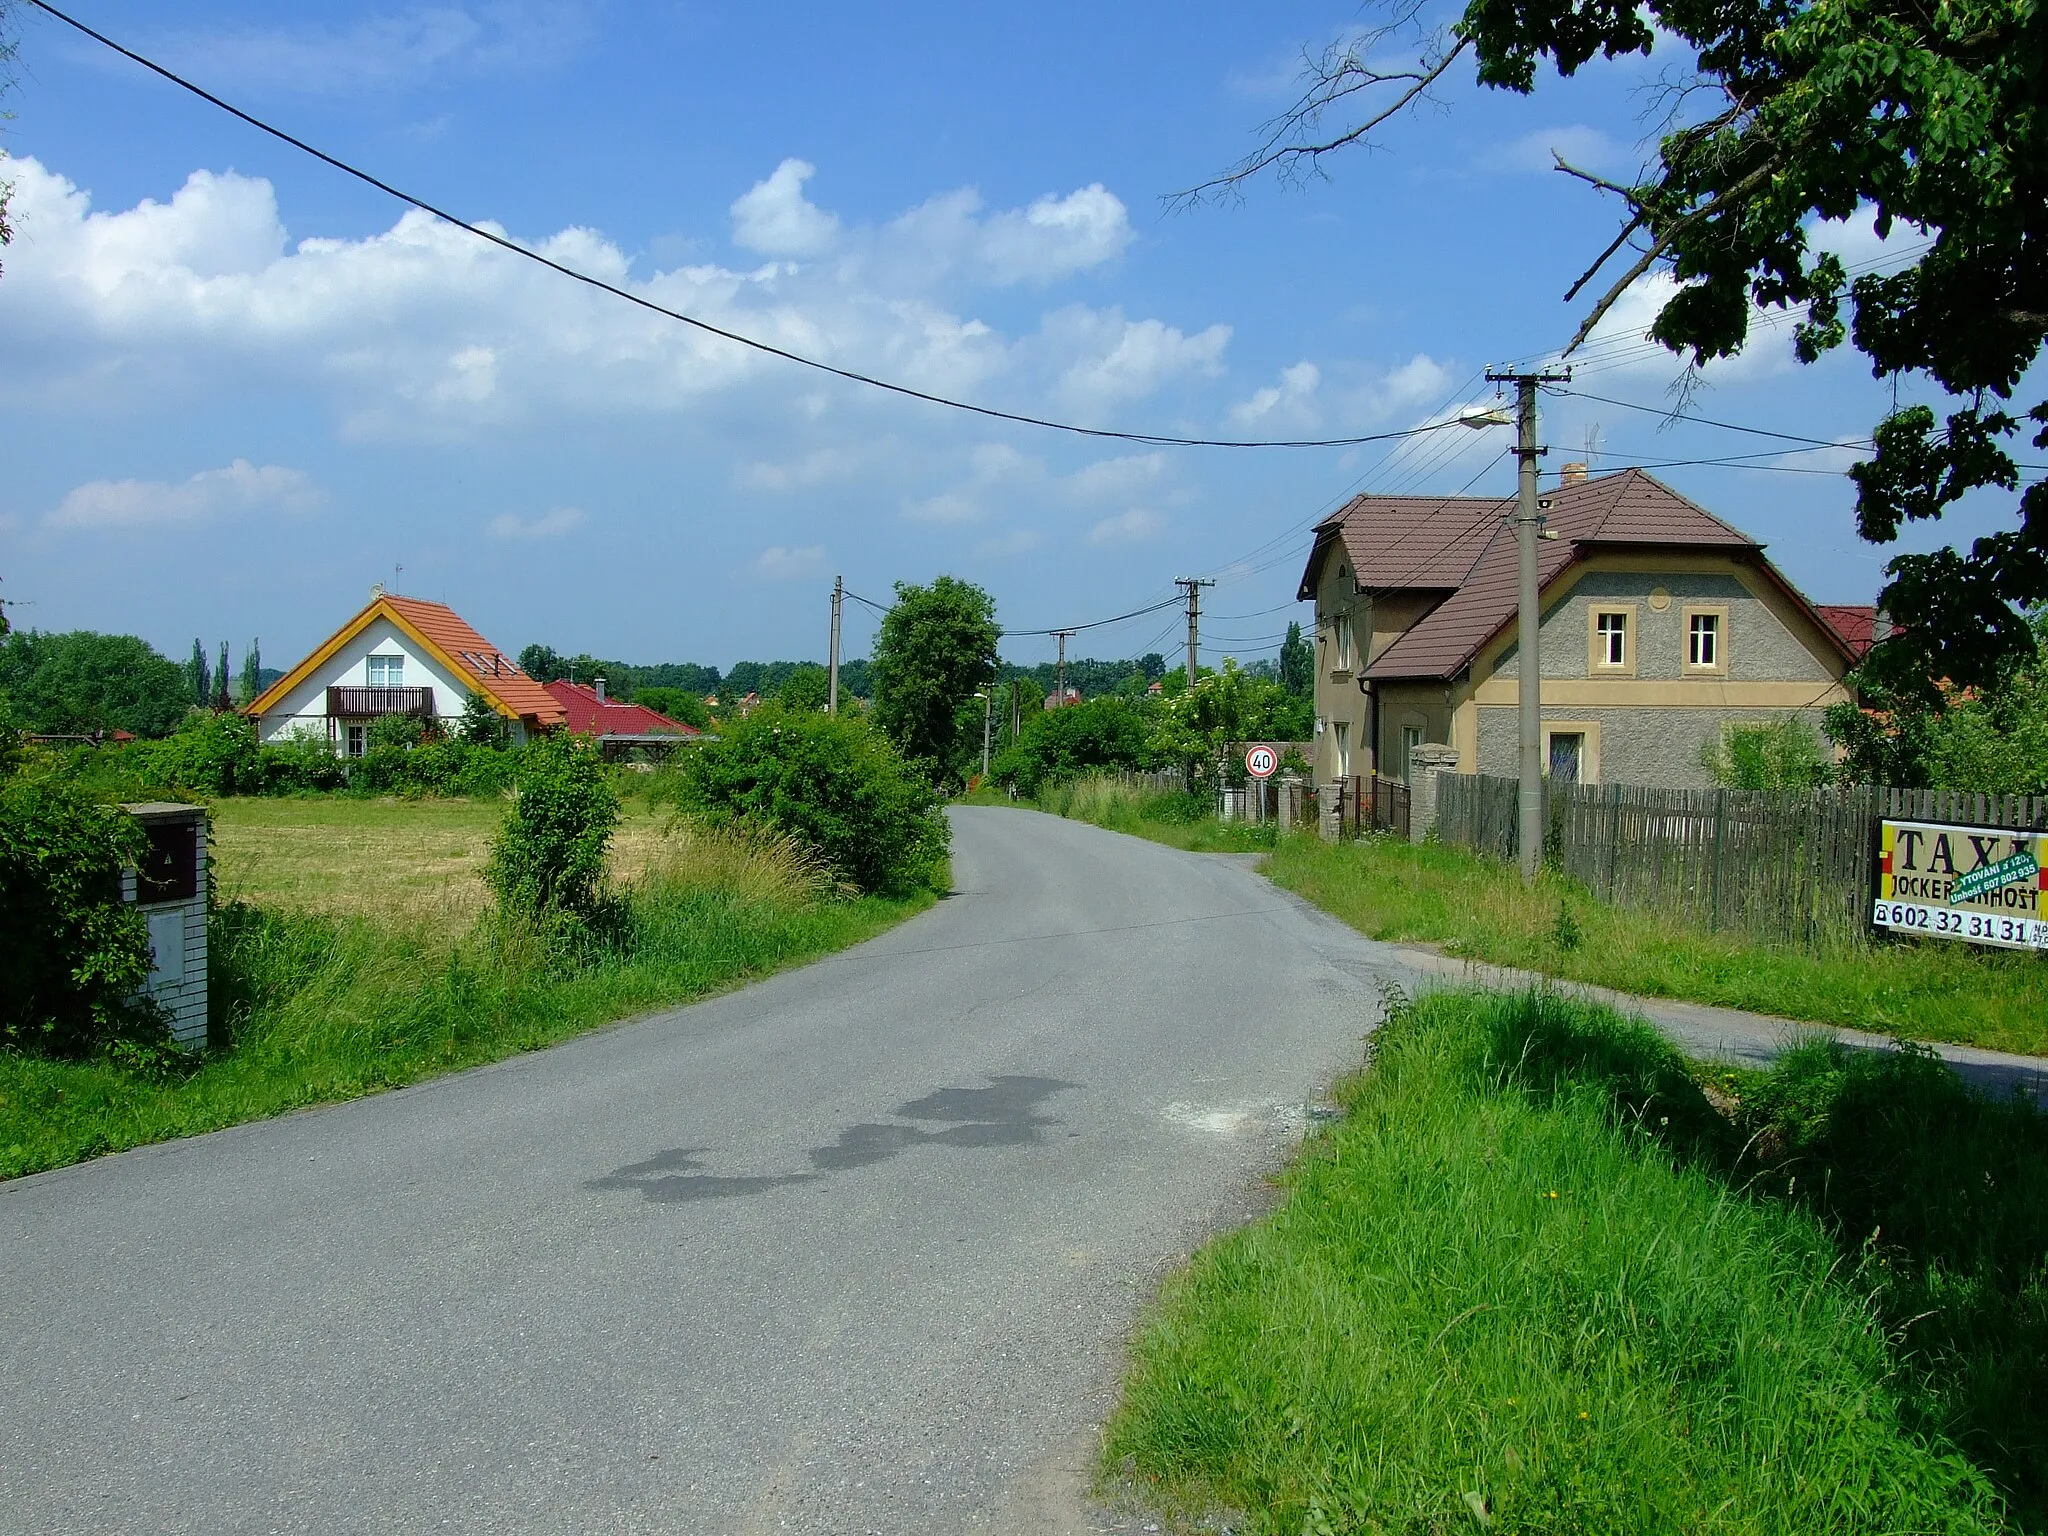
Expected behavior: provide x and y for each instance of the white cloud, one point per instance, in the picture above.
(1587, 148)
(1129, 527)
(1292, 399)
(782, 564)
(241, 487)
(776, 219)
(383, 52)
(424, 332)
(946, 507)
(1108, 479)
(551, 524)
(820, 467)
(1129, 359)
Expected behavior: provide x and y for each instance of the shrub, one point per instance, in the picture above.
(72, 955)
(482, 725)
(1064, 743)
(834, 782)
(297, 764)
(548, 859)
(401, 731)
(212, 754)
(1785, 753)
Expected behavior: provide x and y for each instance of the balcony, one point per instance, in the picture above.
(357, 703)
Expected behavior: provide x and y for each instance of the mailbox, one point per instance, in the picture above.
(168, 886)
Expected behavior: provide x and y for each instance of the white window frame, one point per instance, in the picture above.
(1718, 613)
(1598, 647)
(394, 665)
(1342, 641)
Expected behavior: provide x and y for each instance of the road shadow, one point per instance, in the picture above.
(1007, 1113)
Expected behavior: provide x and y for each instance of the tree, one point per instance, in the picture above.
(806, 688)
(548, 858)
(936, 646)
(83, 681)
(1785, 753)
(199, 677)
(252, 671)
(542, 663)
(221, 702)
(1798, 111)
(1297, 664)
(678, 704)
(481, 724)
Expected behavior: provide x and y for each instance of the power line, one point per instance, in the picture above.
(1703, 421)
(1150, 439)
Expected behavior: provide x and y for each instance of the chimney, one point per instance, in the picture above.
(1880, 625)
(1571, 474)
(598, 684)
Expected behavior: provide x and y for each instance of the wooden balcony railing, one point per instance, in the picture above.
(358, 702)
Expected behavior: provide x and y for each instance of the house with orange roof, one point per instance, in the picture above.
(1661, 626)
(399, 656)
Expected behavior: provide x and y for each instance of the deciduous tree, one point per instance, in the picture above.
(936, 646)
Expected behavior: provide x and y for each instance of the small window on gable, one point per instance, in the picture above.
(387, 671)
(1706, 640)
(1613, 641)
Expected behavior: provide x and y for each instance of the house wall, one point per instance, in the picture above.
(1651, 724)
(305, 707)
(1337, 696)
(1423, 706)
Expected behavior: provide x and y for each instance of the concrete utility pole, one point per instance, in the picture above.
(1059, 690)
(832, 679)
(1192, 586)
(988, 705)
(1528, 522)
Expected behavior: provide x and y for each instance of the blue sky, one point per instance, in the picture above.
(241, 388)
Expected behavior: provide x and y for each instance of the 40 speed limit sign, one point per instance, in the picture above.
(1983, 885)
(1261, 762)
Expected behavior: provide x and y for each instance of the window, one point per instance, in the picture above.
(1343, 749)
(1610, 640)
(355, 740)
(1567, 749)
(1411, 738)
(1703, 641)
(1343, 642)
(387, 671)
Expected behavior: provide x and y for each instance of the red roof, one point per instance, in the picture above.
(588, 715)
(1856, 623)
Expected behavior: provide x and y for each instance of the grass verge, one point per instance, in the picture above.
(316, 1006)
(1179, 821)
(1480, 910)
(1543, 1278)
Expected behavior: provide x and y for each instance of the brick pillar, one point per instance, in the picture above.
(1424, 764)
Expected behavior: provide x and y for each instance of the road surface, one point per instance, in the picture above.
(855, 1249)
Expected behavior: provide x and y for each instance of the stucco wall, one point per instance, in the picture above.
(1337, 695)
(1636, 745)
(1759, 646)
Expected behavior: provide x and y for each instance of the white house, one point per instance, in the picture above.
(398, 656)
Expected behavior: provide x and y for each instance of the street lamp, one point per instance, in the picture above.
(988, 703)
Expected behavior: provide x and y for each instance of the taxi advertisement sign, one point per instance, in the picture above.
(1983, 885)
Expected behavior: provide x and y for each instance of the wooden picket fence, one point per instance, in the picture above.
(1793, 865)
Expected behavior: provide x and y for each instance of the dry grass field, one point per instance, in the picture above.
(409, 862)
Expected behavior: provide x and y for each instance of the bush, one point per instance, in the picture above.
(298, 764)
(400, 731)
(548, 859)
(834, 782)
(72, 955)
(1785, 753)
(1062, 744)
(212, 754)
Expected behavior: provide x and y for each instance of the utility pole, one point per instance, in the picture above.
(1192, 586)
(1059, 690)
(1528, 522)
(832, 680)
(988, 706)
(1016, 709)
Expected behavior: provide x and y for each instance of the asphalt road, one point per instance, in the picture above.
(852, 1250)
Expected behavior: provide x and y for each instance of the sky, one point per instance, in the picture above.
(240, 387)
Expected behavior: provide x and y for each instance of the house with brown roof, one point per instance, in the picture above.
(1661, 624)
(399, 656)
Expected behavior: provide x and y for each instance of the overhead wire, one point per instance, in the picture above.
(854, 376)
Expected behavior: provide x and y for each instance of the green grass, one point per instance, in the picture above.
(1480, 910)
(1535, 1280)
(315, 999)
(1180, 821)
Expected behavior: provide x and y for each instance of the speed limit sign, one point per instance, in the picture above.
(1261, 762)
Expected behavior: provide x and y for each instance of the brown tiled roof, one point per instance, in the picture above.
(1465, 546)
(1856, 623)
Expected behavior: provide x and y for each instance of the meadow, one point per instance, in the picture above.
(354, 949)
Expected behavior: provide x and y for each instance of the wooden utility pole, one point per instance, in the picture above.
(1528, 637)
(1192, 586)
(1059, 690)
(832, 680)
